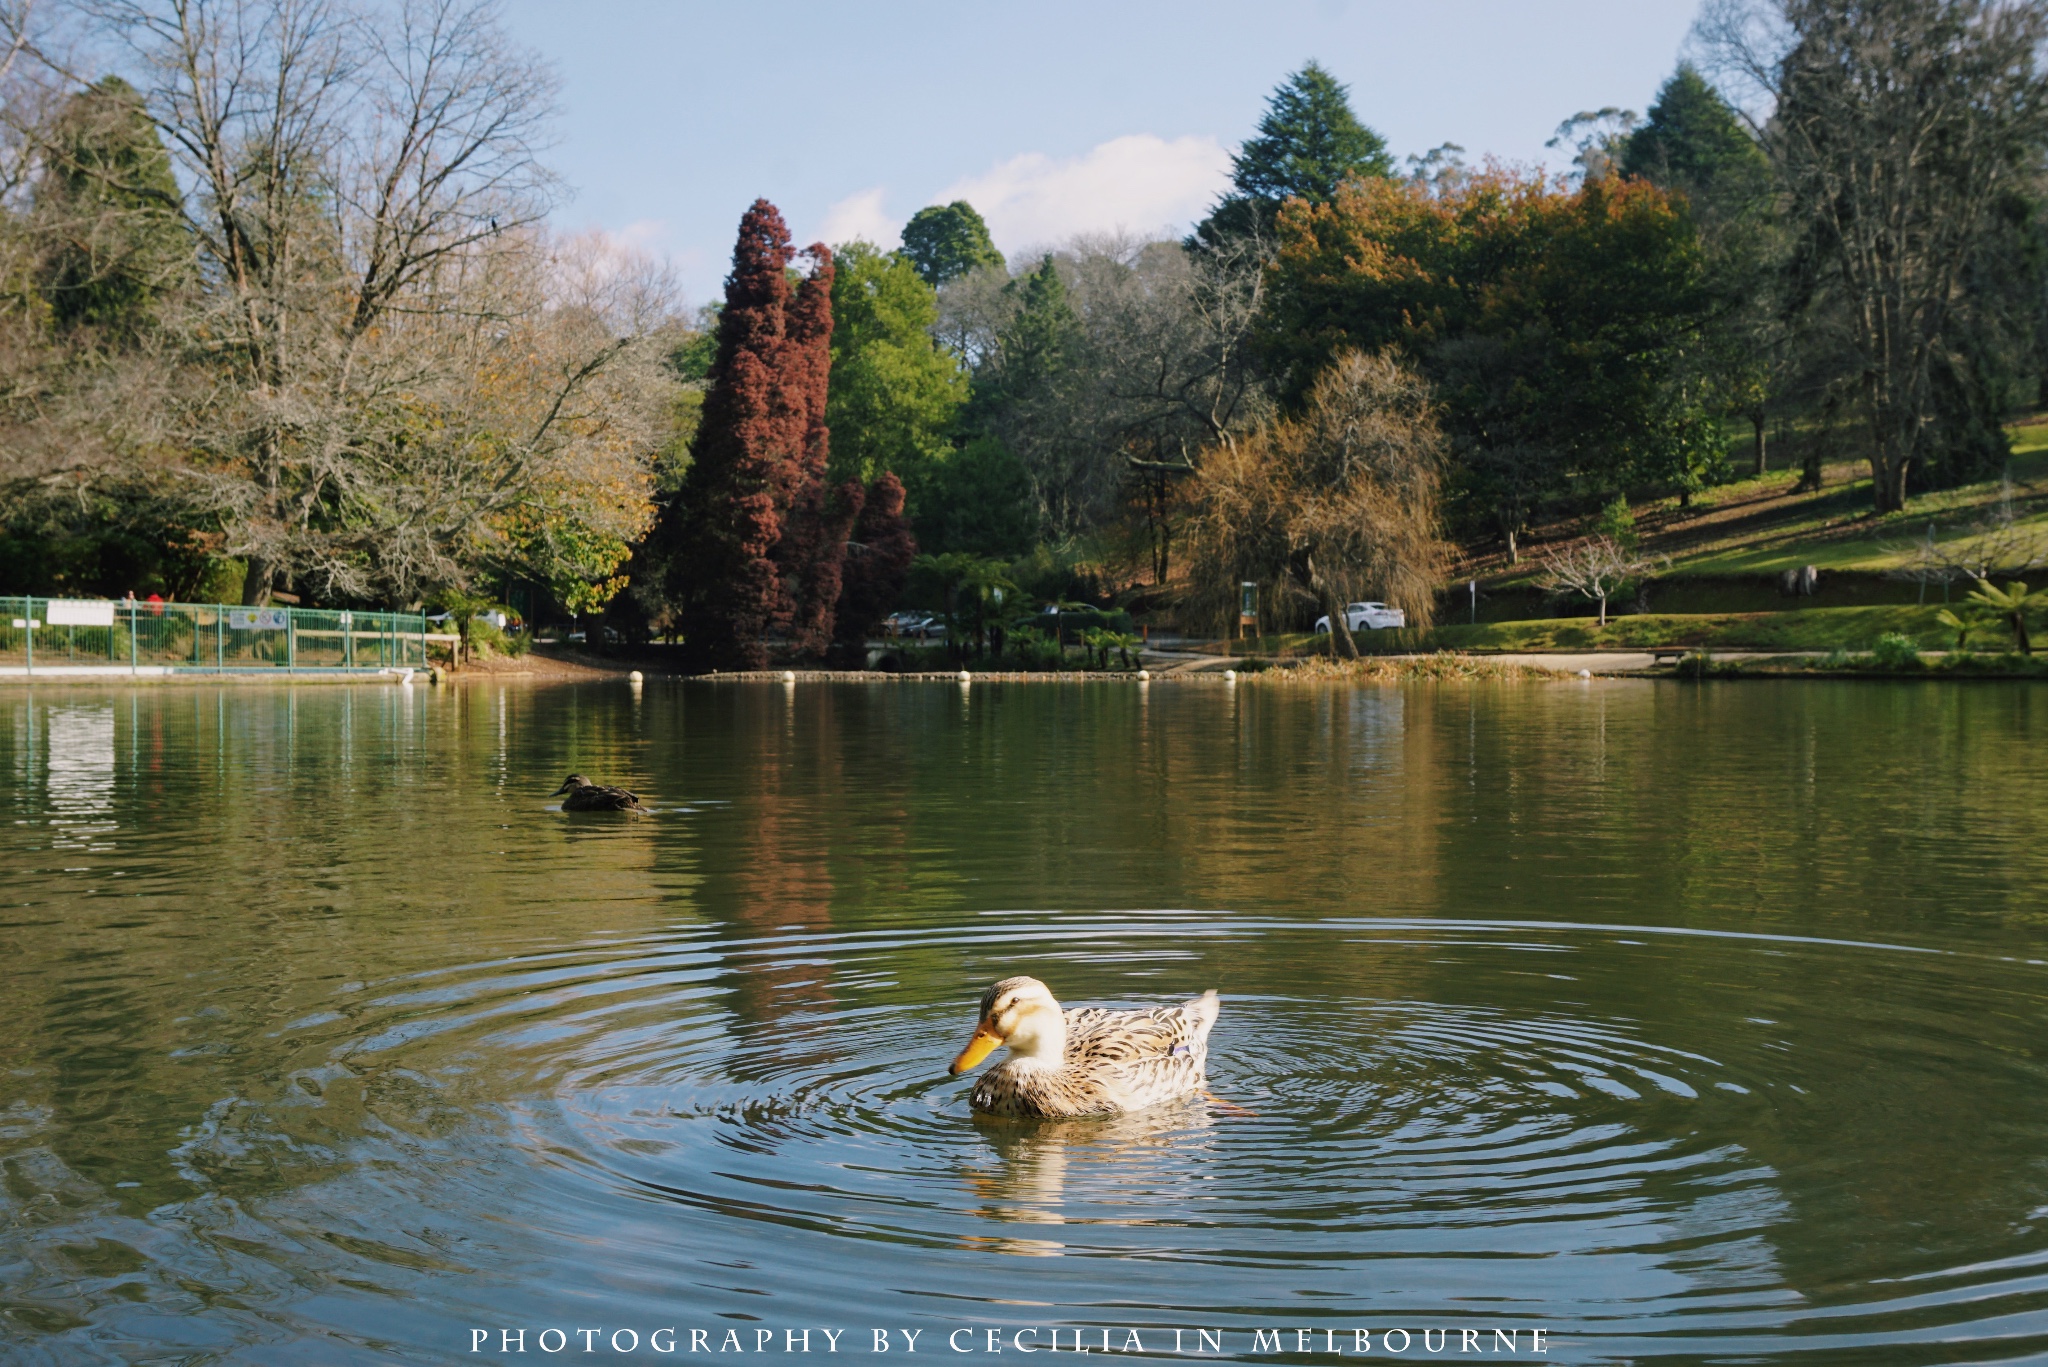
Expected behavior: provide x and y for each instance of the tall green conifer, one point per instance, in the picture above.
(1309, 143)
(1693, 142)
(110, 206)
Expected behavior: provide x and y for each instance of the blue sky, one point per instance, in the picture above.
(1052, 118)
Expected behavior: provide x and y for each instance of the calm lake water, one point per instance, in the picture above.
(1686, 1023)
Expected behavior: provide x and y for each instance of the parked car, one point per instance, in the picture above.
(916, 624)
(1366, 617)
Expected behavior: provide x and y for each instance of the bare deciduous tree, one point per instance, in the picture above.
(388, 373)
(1896, 126)
(1997, 542)
(1336, 504)
(1157, 368)
(1595, 569)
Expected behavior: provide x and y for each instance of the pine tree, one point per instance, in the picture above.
(1309, 143)
(946, 241)
(1023, 399)
(108, 200)
(1692, 141)
(1034, 344)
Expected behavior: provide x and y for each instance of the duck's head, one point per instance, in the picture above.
(1022, 1013)
(573, 781)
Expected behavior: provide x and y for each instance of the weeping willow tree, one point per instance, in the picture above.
(1337, 503)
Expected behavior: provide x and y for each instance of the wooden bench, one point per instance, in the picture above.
(1670, 655)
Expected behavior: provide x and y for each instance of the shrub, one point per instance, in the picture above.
(1032, 647)
(1617, 523)
(1895, 650)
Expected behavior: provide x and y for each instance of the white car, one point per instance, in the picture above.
(1366, 617)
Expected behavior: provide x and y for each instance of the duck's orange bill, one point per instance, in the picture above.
(980, 1047)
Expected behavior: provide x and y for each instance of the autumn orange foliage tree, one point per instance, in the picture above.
(1551, 320)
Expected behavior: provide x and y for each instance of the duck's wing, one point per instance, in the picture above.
(1134, 1059)
(1099, 1036)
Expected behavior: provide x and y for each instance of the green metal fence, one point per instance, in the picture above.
(96, 636)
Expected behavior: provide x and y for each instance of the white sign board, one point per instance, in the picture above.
(78, 612)
(256, 619)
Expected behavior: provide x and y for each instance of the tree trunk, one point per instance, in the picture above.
(1756, 420)
(256, 583)
(1341, 645)
(1888, 483)
(1892, 456)
(1514, 553)
(2019, 632)
(1603, 611)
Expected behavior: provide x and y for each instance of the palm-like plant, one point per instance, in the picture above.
(974, 589)
(2011, 603)
(1961, 626)
(1098, 642)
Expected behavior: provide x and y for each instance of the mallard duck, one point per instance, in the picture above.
(579, 794)
(1087, 1061)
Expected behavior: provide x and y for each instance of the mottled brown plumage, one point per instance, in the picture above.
(1088, 1061)
(579, 794)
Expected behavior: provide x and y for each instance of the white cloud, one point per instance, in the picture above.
(859, 216)
(645, 233)
(1139, 183)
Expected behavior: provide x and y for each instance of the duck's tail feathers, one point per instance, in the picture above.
(1204, 1009)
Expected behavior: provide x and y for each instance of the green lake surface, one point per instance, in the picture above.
(1686, 1023)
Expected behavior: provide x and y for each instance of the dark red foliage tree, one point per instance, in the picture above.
(745, 539)
(814, 539)
(877, 560)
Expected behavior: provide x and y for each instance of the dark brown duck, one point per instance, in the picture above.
(579, 794)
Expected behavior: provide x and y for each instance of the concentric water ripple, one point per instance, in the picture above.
(1532, 1017)
(1435, 1128)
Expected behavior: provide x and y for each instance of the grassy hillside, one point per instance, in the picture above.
(1723, 555)
(1800, 629)
(1852, 629)
(1760, 527)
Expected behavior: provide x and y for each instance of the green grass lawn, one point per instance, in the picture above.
(1855, 628)
(1837, 531)
(1801, 629)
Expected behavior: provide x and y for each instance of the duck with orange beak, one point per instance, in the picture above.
(1085, 1061)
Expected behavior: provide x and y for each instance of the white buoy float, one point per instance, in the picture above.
(789, 676)
(1585, 673)
(1230, 676)
(634, 677)
(1144, 676)
(965, 677)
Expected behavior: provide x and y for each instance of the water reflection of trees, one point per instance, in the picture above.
(1886, 814)
(307, 876)
(272, 856)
